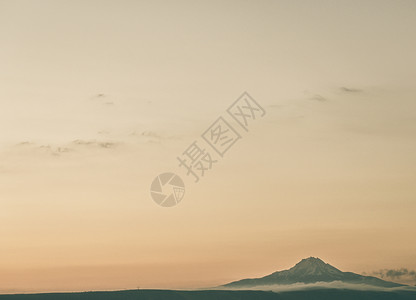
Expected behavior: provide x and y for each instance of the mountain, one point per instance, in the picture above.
(311, 270)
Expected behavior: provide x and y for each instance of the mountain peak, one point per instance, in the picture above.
(313, 266)
(311, 270)
(311, 260)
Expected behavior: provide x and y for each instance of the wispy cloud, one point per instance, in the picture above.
(95, 143)
(350, 90)
(99, 96)
(25, 143)
(320, 285)
(43, 148)
(103, 99)
(153, 136)
(319, 98)
(57, 150)
(393, 274)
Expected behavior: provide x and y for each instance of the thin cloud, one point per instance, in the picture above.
(104, 99)
(100, 95)
(350, 90)
(34, 149)
(95, 143)
(153, 136)
(24, 143)
(396, 273)
(55, 151)
(319, 98)
(43, 148)
(320, 285)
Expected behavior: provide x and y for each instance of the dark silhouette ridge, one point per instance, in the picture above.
(319, 294)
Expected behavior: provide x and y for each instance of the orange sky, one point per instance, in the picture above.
(99, 97)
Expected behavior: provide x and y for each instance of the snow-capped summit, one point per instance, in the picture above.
(314, 266)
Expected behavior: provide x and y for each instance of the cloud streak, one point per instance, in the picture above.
(350, 90)
(57, 150)
(95, 143)
(318, 98)
(402, 273)
(320, 285)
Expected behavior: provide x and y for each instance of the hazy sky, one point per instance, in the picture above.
(99, 97)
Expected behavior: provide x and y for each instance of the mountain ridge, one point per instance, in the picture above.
(311, 270)
(321, 294)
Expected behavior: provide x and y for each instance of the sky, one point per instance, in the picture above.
(97, 98)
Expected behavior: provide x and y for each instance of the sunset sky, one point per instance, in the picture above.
(99, 97)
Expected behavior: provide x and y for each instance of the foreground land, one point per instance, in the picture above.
(321, 294)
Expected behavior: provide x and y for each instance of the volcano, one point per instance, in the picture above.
(311, 270)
